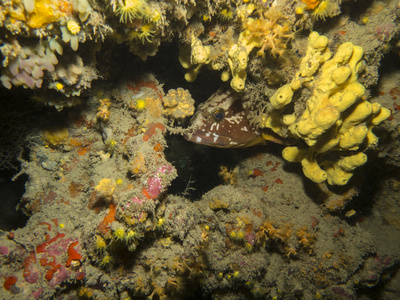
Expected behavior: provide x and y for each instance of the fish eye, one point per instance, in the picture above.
(218, 114)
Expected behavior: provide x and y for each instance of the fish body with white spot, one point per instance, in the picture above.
(223, 122)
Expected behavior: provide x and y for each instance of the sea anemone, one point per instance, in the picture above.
(130, 10)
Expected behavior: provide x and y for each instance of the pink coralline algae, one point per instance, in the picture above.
(157, 182)
(154, 186)
(4, 250)
(385, 31)
(251, 238)
(137, 200)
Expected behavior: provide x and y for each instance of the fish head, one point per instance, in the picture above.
(223, 122)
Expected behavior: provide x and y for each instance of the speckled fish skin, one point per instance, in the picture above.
(233, 131)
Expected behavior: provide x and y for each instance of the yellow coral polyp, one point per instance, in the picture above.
(105, 102)
(140, 105)
(106, 261)
(248, 247)
(156, 17)
(59, 86)
(299, 10)
(100, 244)
(225, 15)
(15, 13)
(240, 235)
(130, 10)
(111, 145)
(146, 33)
(160, 223)
(322, 10)
(73, 27)
(119, 234)
(131, 236)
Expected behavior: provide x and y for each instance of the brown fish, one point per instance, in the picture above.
(222, 122)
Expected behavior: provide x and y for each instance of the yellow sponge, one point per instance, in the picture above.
(336, 118)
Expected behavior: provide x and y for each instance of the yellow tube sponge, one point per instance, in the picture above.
(200, 54)
(340, 171)
(337, 77)
(336, 119)
(317, 53)
(293, 154)
(282, 97)
(380, 114)
(237, 60)
(311, 169)
(308, 159)
(353, 137)
(194, 57)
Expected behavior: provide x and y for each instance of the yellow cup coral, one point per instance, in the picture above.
(131, 9)
(106, 261)
(100, 244)
(73, 27)
(119, 234)
(147, 32)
